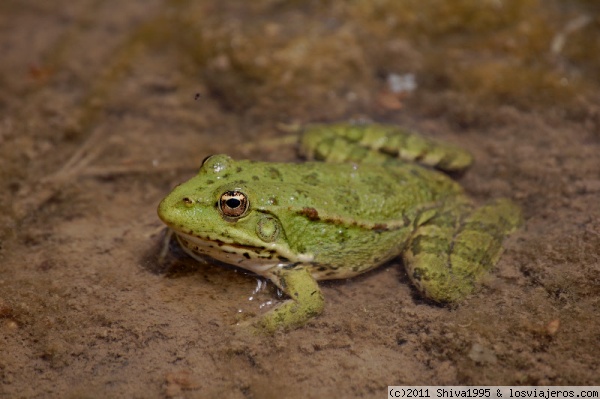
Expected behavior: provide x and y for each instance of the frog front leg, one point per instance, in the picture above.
(306, 299)
(453, 247)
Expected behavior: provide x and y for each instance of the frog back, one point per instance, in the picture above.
(337, 214)
(345, 193)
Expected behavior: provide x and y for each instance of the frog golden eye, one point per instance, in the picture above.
(233, 204)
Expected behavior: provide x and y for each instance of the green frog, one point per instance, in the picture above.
(367, 193)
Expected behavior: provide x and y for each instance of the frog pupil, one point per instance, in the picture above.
(233, 203)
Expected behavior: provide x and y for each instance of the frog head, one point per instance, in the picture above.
(223, 213)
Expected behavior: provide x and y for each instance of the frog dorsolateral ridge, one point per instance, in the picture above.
(378, 195)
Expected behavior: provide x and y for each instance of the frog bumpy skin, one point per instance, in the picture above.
(376, 196)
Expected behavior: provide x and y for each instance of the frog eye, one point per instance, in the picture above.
(206, 159)
(233, 204)
(216, 164)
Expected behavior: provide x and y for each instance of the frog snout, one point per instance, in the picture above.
(163, 209)
(171, 208)
(176, 206)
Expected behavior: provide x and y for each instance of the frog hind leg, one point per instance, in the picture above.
(450, 252)
(377, 143)
(306, 299)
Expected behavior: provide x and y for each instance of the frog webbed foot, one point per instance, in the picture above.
(306, 299)
(449, 253)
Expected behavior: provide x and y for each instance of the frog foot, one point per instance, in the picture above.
(306, 300)
(451, 251)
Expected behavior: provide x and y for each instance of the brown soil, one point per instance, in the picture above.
(105, 105)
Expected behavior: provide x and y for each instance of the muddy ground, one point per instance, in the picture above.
(106, 105)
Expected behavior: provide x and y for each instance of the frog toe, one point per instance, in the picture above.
(306, 300)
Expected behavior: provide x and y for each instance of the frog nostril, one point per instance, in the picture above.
(187, 201)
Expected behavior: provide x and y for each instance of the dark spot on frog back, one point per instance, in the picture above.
(380, 227)
(311, 179)
(274, 173)
(310, 213)
(347, 199)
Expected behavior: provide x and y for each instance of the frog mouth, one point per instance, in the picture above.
(253, 258)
